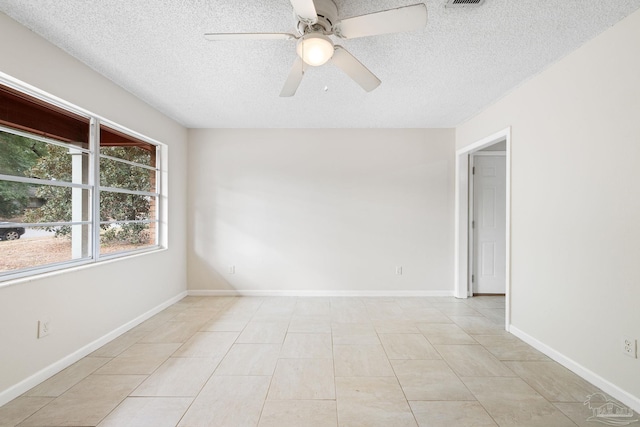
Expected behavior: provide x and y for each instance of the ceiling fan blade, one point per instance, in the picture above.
(354, 69)
(294, 79)
(406, 18)
(306, 10)
(248, 36)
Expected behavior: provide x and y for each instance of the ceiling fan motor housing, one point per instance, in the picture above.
(327, 12)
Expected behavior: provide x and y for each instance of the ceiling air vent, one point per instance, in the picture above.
(464, 3)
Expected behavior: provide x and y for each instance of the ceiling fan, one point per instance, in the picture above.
(316, 20)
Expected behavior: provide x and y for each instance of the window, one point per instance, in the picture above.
(128, 192)
(74, 188)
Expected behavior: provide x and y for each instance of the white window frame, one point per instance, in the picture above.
(158, 194)
(93, 186)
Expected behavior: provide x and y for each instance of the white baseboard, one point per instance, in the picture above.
(613, 390)
(327, 293)
(46, 373)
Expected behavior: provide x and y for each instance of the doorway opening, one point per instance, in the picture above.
(487, 209)
(466, 240)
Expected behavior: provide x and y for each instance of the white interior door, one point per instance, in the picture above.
(489, 218)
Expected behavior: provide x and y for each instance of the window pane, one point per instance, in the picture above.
(117, 144)
(19, 154)
(122, 237)
(34, 247)
(29, 203)
(142, 155)
(126, 207)
(16, 199)
(122, 175)
(26, 157)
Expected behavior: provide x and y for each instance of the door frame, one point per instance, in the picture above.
(462, 283)
(472, 213)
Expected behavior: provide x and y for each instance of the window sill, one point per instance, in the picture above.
(12, 280)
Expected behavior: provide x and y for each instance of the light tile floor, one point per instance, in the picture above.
(293, 361)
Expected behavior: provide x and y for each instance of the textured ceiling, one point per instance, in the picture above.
(464, 59)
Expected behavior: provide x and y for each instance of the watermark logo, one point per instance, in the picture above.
(608, 412)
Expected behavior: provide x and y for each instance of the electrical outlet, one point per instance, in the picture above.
(232, 269)
(399, 270)
(44, 327)
(629, 347)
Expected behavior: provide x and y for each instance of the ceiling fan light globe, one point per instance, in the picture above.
(315, 49)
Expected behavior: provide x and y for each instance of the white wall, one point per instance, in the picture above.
(324, 211)
(576, 204)
(86, 304)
